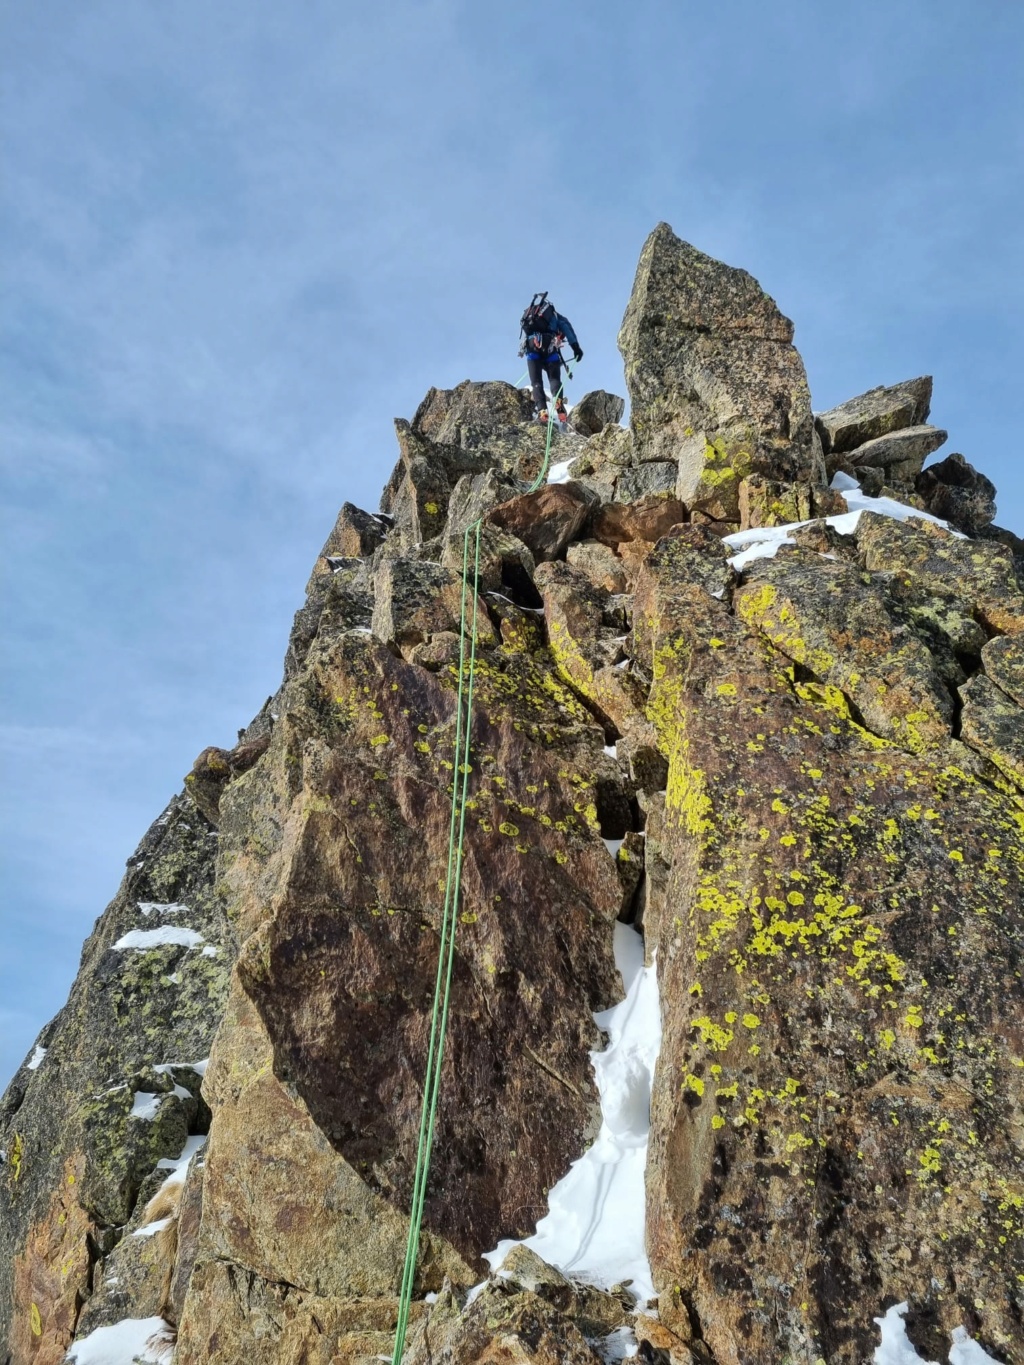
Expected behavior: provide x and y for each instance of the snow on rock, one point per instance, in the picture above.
(147, 1102)
(559, 473)
(149, 1229)
(141, 939)
(148, 1341)
(762, 542)
(618, 1345)
(165, 1068)
(595, 1225)
(165, 907)
(35, 1060)
(178, 1166)
(897, 1349)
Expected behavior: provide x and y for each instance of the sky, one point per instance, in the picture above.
(238, 240)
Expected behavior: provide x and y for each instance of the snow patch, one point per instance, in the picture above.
(762, 542)
(559, 473)
(178, 1166)
(141, 939)
(165, 907)
(594, 1228)
(147, 1103)
(149, 1341)
(896, 1347)
(618, 1345)
(150, 1229)
(35, 1060)
(612, 750)
(166, 1068)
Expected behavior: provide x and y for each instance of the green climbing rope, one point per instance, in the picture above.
(446, 949)
(449, 914)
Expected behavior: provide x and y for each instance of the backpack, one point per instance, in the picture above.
(538, 321)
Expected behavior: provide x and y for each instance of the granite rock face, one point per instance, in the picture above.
(875, 414)
(715, 382)
(801, 780)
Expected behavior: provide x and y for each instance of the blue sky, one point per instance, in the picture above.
(238, 239)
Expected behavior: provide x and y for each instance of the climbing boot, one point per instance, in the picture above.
(542, 417)
(560, 411)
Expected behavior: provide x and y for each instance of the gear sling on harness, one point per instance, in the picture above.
(449, 913)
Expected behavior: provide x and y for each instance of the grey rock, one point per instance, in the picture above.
(958, 493)
(595, 411)
(473, 414)
(714, 380)
(475, 494)
(505, 562)
(658, 476)
(414, 600)
(1003, 661)
(993, 724)
(875, 413)
(600, 564)
(908, 446)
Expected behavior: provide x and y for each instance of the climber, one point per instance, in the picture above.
(544, 332)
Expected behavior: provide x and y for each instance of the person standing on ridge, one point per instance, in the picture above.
(544, 331)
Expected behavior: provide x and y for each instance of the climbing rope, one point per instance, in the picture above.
(446, 950)
(449, 914)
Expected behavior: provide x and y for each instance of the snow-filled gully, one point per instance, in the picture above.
(594, 1229)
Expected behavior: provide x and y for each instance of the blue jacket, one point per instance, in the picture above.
(560, 324)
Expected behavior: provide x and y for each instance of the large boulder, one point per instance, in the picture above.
(946, 566)
(546, 520)
(594, 411)
(714, 380)
(875, 413)
(910, 446)
(955, 491)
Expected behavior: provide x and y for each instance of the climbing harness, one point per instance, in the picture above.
(449, 914)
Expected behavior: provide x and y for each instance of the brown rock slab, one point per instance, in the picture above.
(546, 521)
(831, 902)
(356, 535)
(215, 768)
(694, 555)
(647, 519)
(875, 413)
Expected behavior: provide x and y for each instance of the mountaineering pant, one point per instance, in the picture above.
(536, 368)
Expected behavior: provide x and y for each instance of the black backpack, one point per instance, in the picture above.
(539, 318)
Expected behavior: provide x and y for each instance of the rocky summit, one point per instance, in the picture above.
(749, 693)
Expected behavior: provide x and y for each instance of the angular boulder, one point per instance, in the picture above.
(993, 724)
(599, 563)
(416, 599)
(955, 491)
(648, 518)
(1003, 661)
(714, 380)
(910, 446)
(594, 411)
(875, 413)
(647, 479)
(545, 520)
(947, 566)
